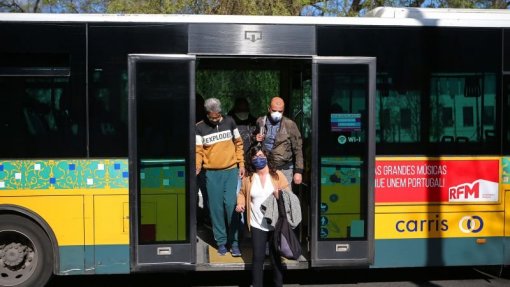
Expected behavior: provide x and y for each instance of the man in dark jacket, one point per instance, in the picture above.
(244, 120)
(281, 136)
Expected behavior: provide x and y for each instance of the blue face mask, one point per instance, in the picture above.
(259, 162)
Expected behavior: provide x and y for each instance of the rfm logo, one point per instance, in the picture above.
(465, 190)
(470, 224)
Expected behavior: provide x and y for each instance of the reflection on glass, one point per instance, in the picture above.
(40, 118)
(397, 112)
(343, 151)
(163, 195)
(462, 107)
(108, 112)
(340, 201)
(162, 91)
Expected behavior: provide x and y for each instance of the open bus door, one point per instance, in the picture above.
(161, 161)
(343, 158)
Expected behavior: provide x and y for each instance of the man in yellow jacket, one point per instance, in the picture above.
(219, 150)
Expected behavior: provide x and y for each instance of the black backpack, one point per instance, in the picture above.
(285, 240)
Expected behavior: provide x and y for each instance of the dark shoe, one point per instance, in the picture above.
(222, 250)
(235, 251)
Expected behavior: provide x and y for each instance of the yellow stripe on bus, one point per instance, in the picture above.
(80, 219)
(439, 225)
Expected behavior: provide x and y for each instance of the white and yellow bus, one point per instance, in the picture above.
(404, 113)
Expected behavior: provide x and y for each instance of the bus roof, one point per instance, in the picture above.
(382, 16)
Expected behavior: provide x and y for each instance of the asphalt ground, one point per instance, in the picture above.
(401, 277)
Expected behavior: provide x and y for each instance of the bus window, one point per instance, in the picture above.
(397, 112)
(108, 112)
(462, 108)
(41, 118)
(506, 113)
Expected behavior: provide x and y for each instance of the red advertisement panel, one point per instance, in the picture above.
(441, 181)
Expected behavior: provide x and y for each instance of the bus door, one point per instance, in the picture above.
(161, 161)
(343, 155)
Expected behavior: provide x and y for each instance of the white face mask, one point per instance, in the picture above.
(242, 116)
(276, 116)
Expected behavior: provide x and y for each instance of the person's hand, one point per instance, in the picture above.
(198, 170)
(240, 208)
(241, 172)
(298, 178)
(260, 137)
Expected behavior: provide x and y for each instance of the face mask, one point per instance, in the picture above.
(242, 116)
(259, 162)
(276, 116)
(214, 122)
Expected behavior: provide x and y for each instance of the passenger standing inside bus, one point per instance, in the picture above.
(203, 213)
(244, 120)
(219, 150)
(246, 125)
(281, 136)
(262, 181)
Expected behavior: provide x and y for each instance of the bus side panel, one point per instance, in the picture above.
(505, 187)
(439, 239)
(437, 252)
(507, 227)
(85, 203)
(64, 214)
(111, 234)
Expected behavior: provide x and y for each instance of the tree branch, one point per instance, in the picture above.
(355, 7)
(36, 5)
(14, 6)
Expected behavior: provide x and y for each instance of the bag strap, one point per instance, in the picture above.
(281, 205)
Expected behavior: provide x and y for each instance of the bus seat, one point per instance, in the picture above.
(447, 139)
(490, 135)
(461, 139)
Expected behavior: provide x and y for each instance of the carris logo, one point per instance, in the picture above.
(471, 224)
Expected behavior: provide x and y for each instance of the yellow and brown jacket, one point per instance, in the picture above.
(218, 146)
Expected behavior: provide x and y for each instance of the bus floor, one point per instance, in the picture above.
(208, 258)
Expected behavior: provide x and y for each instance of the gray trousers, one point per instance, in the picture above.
(289, 174)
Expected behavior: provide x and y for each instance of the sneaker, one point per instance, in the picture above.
(235, 251)
(222, 250)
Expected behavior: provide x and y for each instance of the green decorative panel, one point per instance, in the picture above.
(64, 174)
(505, 173)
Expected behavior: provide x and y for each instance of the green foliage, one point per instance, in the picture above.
(147, 6)
(219, 7)
(53, 6)
(257, 86)
(19, 6)
(235, 7)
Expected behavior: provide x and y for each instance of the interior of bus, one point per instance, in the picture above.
(257, 80)
(164, 208)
